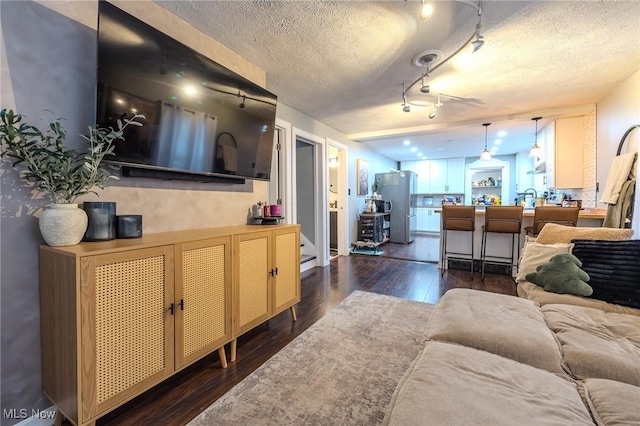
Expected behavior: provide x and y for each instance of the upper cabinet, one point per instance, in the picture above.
(444, 176)
(564, 141)
(423, 170)
(455, 175)
(409, 166)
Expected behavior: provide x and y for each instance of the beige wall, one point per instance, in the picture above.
(619, 110)
(176, 206)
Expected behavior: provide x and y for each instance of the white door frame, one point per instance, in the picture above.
(321, 196)
(343, 199)
(286, 170)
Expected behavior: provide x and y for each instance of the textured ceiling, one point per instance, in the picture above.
(343, 63)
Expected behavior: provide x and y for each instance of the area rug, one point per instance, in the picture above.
(342, 370)
(367, 251)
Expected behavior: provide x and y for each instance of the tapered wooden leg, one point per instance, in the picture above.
(58, 419)
(223, 357)
(234, 347)
(293, 313)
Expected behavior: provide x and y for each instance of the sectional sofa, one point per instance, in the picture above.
(542, 358)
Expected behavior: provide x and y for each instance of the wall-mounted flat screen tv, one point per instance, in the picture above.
(201, 118)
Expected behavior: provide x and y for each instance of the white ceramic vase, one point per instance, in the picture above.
(63, 224)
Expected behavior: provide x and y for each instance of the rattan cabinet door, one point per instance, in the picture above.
(203, 298)
(286, 283)
(252, 292)
(127, 325)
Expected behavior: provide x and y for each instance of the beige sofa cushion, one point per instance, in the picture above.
(504, 325)
(534, 255)
(597, 344)
(613, 403)
(555, 233)
(451, 384)
(529, 290)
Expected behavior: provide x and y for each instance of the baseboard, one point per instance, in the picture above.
(308, 265)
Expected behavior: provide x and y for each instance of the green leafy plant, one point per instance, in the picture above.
(61, 174)
(376, 185)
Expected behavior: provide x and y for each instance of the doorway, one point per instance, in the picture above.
(305, 198)
(337, 155)
(310, 197)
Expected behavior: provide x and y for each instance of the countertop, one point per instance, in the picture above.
(584, 213)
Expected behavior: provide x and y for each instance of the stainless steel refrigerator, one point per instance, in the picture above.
(400, 189)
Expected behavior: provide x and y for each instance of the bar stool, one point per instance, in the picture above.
(501, 220)
(552, 214)
(457, 218)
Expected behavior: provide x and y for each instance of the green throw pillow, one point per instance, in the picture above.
(562, 275)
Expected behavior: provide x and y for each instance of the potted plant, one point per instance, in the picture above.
(61, 174)
(375, 188)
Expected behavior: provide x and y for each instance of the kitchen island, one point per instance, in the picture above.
(500, 244)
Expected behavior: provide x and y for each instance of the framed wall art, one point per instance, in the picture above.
(362, 168)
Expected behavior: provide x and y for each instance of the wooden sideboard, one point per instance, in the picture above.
(120, 316)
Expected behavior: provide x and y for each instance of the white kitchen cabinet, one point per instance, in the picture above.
(427, 220)
(422, 219)
(455, 175)
(434, 221)
(443, 176)
(447, 176)
(438, 176)
(408, 166)
(423, 169)
(564, 153)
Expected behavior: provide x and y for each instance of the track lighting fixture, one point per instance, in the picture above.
(242, 102)
(432, 114)
(486, 155)
(405, 106)
(425, 87)
(476, 40)
(477, 43)
(536, 151)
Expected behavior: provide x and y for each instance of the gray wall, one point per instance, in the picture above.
(52, 66)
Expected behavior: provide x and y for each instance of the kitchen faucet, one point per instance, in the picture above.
(522, 197)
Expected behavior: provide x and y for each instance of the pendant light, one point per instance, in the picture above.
(536, 151)
(486, 155)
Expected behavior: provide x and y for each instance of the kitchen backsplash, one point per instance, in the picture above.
(437, 200)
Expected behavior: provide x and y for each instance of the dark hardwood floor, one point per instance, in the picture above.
(183, 396)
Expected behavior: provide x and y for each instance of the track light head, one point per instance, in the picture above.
(432, 114)
(425, 88)
(477, 43)
(406, 108)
